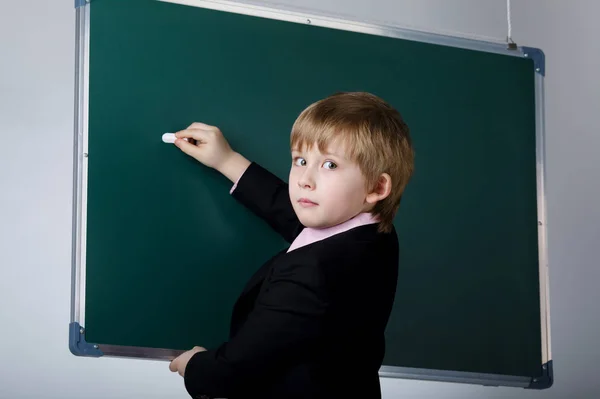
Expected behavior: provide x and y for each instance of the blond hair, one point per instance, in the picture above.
(374, 135)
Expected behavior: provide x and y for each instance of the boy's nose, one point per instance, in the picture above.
(306, 181)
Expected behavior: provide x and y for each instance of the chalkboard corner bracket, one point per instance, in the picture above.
(538, 57)
(78, 345)
(544, 381)
(81, 3)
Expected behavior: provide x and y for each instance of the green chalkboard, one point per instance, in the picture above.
(168, 249)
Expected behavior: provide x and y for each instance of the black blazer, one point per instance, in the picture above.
(309, 323)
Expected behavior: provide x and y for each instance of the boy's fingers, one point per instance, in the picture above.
(188, 148)
(173, 365)
(186, 133)
(196, 134)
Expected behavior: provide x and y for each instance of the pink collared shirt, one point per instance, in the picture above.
(310, 235)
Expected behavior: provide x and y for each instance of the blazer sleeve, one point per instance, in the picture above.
(267, 196)
(282, 328)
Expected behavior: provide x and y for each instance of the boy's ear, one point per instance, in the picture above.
(382, 189)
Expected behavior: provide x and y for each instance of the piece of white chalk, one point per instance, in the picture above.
(170, 138)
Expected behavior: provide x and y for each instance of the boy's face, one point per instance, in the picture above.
(326, 189)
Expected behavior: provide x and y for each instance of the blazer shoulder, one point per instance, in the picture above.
(358, 245)
(359, 258)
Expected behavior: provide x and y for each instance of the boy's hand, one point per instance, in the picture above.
(211, 147)
(180, 362)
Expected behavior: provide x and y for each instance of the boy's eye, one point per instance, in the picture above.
(300, 161)
(329, 165)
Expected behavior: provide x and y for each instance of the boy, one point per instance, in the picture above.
(310, 323)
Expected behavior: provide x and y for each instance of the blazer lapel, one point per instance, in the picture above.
(246, 299)
(260, 274)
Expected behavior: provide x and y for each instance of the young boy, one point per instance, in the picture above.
(310, 323)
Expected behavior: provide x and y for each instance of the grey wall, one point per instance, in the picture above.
(36, 124)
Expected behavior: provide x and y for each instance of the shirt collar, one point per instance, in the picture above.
(310, 235)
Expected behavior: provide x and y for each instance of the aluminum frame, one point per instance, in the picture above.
(80, 150)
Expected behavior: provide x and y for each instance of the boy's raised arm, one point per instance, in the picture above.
(258, 189)
(268, 197)
(210, 148)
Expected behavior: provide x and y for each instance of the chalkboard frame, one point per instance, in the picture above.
(77, 342)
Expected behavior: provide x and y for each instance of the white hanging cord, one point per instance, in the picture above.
(509, 40)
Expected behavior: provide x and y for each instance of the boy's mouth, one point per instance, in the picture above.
(305, 202)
